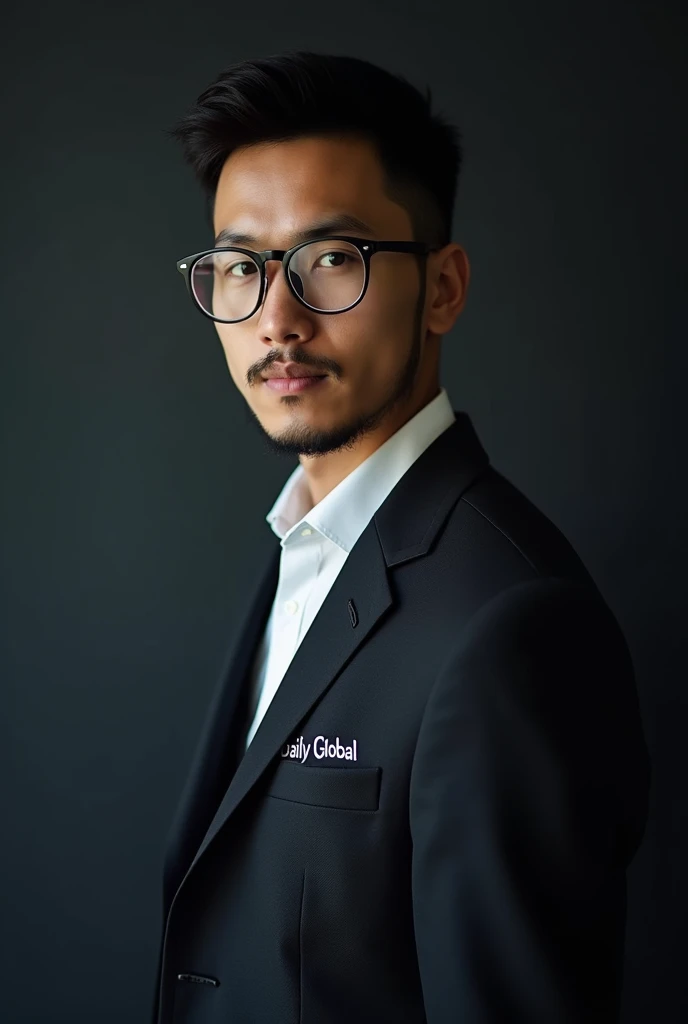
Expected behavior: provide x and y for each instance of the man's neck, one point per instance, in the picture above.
(325, 472)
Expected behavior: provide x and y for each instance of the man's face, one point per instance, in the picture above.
(375, 361)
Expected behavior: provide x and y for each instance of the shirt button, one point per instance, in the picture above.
(290, 606)
(306, 532)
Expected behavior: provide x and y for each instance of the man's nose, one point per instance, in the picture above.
(293, 277)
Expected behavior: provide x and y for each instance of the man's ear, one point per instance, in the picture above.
(450, 274)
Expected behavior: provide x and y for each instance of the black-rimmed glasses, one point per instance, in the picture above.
(229, 284)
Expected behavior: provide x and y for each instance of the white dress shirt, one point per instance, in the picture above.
(316, 541)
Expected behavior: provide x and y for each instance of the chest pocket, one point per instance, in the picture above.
(352, 789)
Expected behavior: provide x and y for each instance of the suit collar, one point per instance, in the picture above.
(414, 512)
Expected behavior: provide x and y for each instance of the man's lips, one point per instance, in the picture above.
(287, 385)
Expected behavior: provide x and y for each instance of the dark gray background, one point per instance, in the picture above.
(134, 489)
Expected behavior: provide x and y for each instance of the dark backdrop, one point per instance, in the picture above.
(134, 490)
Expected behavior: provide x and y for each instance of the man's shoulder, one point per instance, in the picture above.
(504, 527)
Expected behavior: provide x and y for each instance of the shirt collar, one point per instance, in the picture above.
(343, 514)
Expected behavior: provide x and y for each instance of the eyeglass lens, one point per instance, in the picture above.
(328, 275)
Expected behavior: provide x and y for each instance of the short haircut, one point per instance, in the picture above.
(300, 94)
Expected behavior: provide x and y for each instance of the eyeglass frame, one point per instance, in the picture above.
(367, 247)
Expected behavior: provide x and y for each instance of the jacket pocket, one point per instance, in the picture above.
(351, 789)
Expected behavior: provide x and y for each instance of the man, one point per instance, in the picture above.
(423, 773)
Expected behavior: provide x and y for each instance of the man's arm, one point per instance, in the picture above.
(528, 798)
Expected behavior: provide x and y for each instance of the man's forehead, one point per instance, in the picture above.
(272, 193)
(305, 173)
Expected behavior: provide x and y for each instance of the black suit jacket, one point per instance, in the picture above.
(465, 862)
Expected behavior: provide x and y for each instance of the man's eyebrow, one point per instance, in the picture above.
(332, 226)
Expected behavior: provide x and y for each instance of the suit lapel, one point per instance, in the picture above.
(328, 645)
(404, 527)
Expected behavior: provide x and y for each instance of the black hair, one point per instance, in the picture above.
(301, 93)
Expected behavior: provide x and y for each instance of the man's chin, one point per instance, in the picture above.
(303, 441)
(297, 436)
